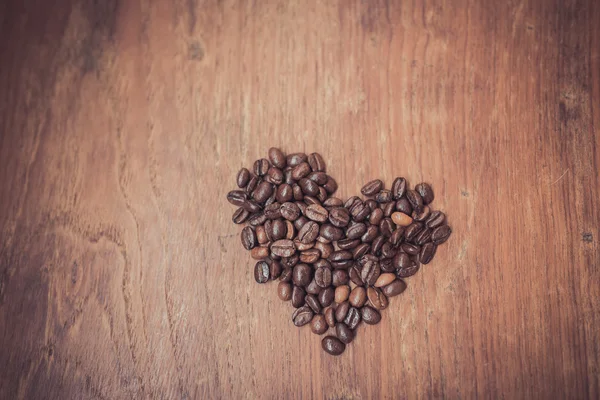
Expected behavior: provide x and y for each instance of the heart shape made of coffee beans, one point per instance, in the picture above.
(338, 262)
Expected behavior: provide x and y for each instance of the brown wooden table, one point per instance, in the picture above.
(123, 124)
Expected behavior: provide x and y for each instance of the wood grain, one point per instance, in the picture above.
(123, 124)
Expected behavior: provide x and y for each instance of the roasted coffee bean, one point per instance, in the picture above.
(275, 268)
(330, 317)
(388, 251)
(333, 202)
(259, 252)
(322, 195)
(376, 216)
(394, 288)
(261, 167)
(386, 227)
(409, 270)
(427, 252)
(298, 295)
(286, 274)
(310, 200)
(370, 234)
(340, 255)
(331, 185)
(287, 176)
(387, 265)
(352, 318)
(273, 211)
(326, 296)
(299, 223)
(302, 275)
(340, 277)
(271, 199)
(290, 261)
(377, 245)
(317, 213)
(415, 199)
(318, 325)
(384, 280)
(320, 178)
(302, 206)
(351, 201)
(372, 188)
(341, 293)
(322, 263)
(323, 277)
(257, 219)
(252, 184)
(441, 234)
(274, 176)
(290, 230)
(345, 334)
(383, 196)
(354, 274)
(358, 296)
(262, 192)
(309, 188)
(426, 192)
(403, 206)
(248, 237)
(398, 188)
(237, 197)
(360, 211)
(312, 301)
(356, 231)
(367, 258)
(397, 237)
(377, 299)
(421, 216)
(333, 345)
(296, 158)
(325, 249)
(372, 204)
(278, 229)
(331, 233)
(423, 237)
(341, 311)
(339, 217)
(302, 316)
(388, 208)
(411, 249)
(348, 244)
(370, 315)
(401, 219)
(316, 162)
(370, 272)
(284, 193)
(251, 206)
(313, 288)
(240, 216)
(300, 171)
(342, 263)
(261, 272)
(436, 218)
(284, 291)
(277, 157)
(309, 232)
(413, 230)
(243, 177)
(310, 256)
(401, 261)
(297, 192)
(321, 239)
(283, 248)
(360, 250)
(303, 246)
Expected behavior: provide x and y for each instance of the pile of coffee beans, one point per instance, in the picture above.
(337, 262)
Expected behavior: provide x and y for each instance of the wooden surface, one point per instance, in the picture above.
(122, 127)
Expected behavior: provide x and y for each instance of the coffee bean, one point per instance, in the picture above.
(290, 211)
(384, 280)
(372, 204)
(355, 231)
(331, 185)
(257, 219)
(348, 244)
(409, 270)
(387, 250)
(340, 277)
(395, 288)
(426, 192)
(341, 311)
(401, 261)
(284, 291)
(273, 211)
(398, 236)
(360, 250)
(318, 325)
(283, 248)
(360, 211)
(302, 206)
(330, 317)
(339, 217)
(259, 252)
(290, 262)
(384, 196)
(324, 248)
(317, 213)
(297, 192)
(296, 158)
(284, 193)
(358, 296)
(354, 274)
(310, 256)
(300, 222)
(300, 171)
(240, 216)
(352, 318)
(398, 188)
(320, 178)
(313, 288)
(427, 252)
(411, 249)
(377, 299)
(370, 315)
(415, 199)
(309, 232)
(423, 237)
(261, 272)
(387, 265)
(302, 275)
(286, 274)
(377, 245)
(298, 295)
(302, 316)
(441, 234)
(372, 188)
(316, 162)
(340, 255)
(388, 208)
(279, 229)
(331, 233)
(312, 301)
(386, 227)
(323, 277)
(262, 192)
(401, 219)
(403, 206)
(423, 215)
(275, 268)
(333, 345)
(376, 216)
(252, 184)
(326, 297)
(271, 199)
(237, 197)
(436, 218)
(290, 230)
(261, 167)
(333, 202)
(303, 246)
(413, 230)
(309, 188)
(370, 272)
(345, 334)
(248, 238)
(287, 176)
(351, 201)
(251, 206)
(242, 178)
(341, 293)
(277, 157)
(274, 176)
